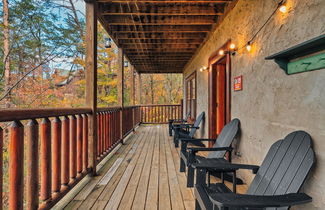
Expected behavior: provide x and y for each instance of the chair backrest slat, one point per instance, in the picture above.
(285, 166)
(264, 167)
(196, 124)
(225, 138)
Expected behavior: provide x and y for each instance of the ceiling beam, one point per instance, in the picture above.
(160, 41)
(160, 54)
(162, 14)
(167, 2)
(168, 35)
(163, 28)
(161, 20)
(161, 10)
(160, 46)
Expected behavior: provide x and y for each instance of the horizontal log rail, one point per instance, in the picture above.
(57, 150)
(160, 114)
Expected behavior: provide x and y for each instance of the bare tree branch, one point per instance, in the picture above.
(46, 60)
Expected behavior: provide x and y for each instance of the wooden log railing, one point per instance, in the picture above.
(57, 148)
(160, 114)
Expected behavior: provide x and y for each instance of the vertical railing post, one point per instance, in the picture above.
(73, 148)
(107, 131)
(1, 165)
(45, 159)
(85, 144)
(182, 111)
(16, 166)
(79, 144)
(32, 165)
(65, 153)
(91, 77)
(56, 155)
(99, 142)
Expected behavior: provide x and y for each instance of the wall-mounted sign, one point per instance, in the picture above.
(238, 83)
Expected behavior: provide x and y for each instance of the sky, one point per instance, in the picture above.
(63, 62)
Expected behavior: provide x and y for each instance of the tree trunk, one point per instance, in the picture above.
(6, 50)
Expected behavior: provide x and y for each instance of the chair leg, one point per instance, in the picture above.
(197, 205)
(176, 141)
(170, 124)
(182, 165)
(190, 176)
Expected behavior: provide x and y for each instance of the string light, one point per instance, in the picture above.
(221, 52)
(248, 47)
(283, 9)
(204, 68)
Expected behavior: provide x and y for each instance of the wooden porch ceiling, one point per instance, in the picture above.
(160, 36)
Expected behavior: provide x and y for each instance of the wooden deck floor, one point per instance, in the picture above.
(143, 174)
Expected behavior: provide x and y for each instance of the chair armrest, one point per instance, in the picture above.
(197, 149)
(184, 125)
(177, 120)
(214, 164)
(258, 201)
(189, 140)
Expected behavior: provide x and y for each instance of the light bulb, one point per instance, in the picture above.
(221, 52)
(249, 47)
(201, 69)
(232, 46)
(283, 9)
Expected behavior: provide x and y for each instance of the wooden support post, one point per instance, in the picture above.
(132, 95)
(137, 87)
(120, 87)
(120, 77)
(91, 78)
(140, 89)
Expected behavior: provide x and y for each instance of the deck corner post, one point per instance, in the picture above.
(91, 79)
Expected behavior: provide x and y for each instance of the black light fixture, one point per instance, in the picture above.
(108, 42)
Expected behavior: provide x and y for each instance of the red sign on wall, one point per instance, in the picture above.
(238, 83)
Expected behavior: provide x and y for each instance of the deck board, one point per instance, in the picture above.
(143, 174)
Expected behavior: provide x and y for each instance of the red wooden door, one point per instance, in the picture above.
(221, 97)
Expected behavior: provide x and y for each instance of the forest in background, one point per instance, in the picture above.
(42, 65)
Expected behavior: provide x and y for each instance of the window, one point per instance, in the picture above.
(191, 95)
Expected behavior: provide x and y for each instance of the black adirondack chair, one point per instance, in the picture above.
(178, 121)
(275, 186)
(187, 130)
(218, 151)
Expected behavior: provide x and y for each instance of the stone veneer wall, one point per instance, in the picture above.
(272, 104)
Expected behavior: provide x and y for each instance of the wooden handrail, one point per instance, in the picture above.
(146, 105)
(26, 114)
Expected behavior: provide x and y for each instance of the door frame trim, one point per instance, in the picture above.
(214, 59)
